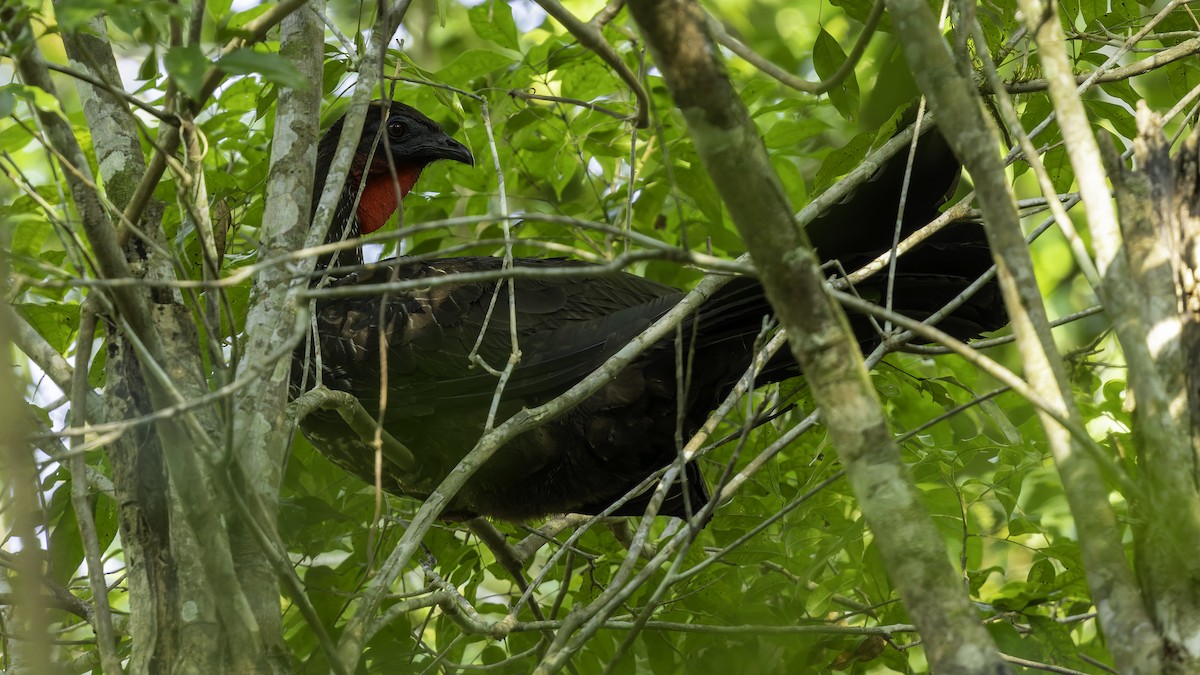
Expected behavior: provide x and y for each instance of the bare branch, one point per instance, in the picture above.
(736, 46)
(734, 155)
(970, 133)
(102, 621)
(589, 35)
(1153, 62)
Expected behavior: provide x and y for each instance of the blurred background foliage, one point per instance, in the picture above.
(984, 470)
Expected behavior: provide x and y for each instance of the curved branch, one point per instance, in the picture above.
(530, 96)
(102, 620)
(356, 417)
(1159, 59)
(166, 118)
(784, 77)
(589, 36)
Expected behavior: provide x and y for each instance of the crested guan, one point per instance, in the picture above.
(589, 457)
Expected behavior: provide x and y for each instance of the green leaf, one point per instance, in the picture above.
(273, 67)
(472, 64)
(587, 80)
(893, 90)
(41, 99)
(65, 544)
(1093, 9)
(1117, 115)
(186, 66)
(334, 71)
(661, 653)
(1018, 526)
(73, 15)
(859, 10)
(28, 233)
(98, 372)
(14, 138)
(566, 165)
(218, 8)
(790, 133)
(1055, 640)
(839, 162)
(1069, 10)
(148, 70)
(237, 21)
(827, 58)
(1181, 78)
(8, 100)
(56, 323)
(1042, 572)
(1058, 165)
(696, 184)
(493, 21)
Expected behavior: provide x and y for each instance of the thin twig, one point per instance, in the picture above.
(102, 621)
(1160, 58)
(787, 79)
(607, 13)
(1005, 339)
(166, 118)
(590, 36)
(530, 96)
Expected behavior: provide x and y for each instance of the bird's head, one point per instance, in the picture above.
(397, 143)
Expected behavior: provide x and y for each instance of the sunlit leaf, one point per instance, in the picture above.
(187, 66)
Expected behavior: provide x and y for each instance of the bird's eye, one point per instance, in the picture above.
(396, 129)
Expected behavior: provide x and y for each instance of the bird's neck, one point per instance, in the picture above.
(355, 214)
(381, 195)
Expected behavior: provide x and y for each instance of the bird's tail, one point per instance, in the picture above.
(861, 227)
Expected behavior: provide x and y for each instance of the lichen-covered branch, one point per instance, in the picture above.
(1158, 205)
(970, 133)
(260, 426)
(1135, 262)
(729, 144)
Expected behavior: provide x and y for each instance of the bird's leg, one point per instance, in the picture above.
(622, 533)
(356, 417)
(495, 540)
(530, 545)
(508, 558)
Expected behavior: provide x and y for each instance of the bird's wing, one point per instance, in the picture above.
(566, 325)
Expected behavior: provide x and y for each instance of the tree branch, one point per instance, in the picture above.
(1140, 67)
(105, 636)
(971, 135)
(736, 46)
(589, 35)
(734, 155)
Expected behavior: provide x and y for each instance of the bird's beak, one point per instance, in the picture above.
(442, 146)
(458, 152)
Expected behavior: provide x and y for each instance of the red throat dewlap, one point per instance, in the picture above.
(379, 197)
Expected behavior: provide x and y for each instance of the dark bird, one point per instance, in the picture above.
(592, 455)
(396, 144)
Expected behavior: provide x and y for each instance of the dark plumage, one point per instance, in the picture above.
(592, 455)
(396, 144)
